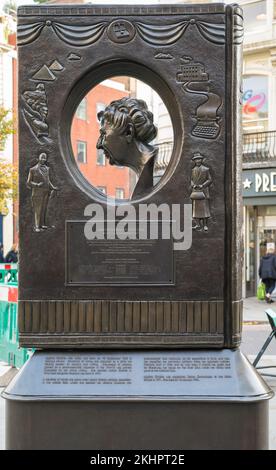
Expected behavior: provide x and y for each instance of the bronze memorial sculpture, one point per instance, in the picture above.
(136, 332)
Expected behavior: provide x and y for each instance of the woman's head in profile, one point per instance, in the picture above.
(126, 131)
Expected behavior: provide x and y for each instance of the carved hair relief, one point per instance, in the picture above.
(126, 131)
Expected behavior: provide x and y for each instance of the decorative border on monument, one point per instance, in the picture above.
(157, 35)
(102, 10)
(121, 341)
(105, 323)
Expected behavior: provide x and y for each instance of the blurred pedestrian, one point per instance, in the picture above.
(12, 255)
(267, 272)
(2, 258)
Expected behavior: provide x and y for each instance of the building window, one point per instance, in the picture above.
(100, 107)
(255, 103)
(119, 193)
(82, 110)
(102, 189)
(100, 157)
(81, 151)
(255, 15)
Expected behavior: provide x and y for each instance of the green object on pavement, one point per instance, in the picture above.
(261, 291)
(9, 345)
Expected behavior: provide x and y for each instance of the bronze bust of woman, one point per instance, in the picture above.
(126, 131)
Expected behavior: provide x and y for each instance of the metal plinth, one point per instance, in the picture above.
(137, 400)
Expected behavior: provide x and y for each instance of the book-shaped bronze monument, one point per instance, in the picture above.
(75, 293)
(161, 310)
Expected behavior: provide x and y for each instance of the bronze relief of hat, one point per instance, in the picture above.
(198, 156)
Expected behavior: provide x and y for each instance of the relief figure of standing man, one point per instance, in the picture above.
(42, 188)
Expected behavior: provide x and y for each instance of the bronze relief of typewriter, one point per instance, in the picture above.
(207, 120)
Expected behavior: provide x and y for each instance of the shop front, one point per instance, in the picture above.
(259, 200)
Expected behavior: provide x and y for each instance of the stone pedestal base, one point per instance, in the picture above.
(137, 400)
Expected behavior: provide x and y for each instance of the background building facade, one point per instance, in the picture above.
(259, 143)
(8, 58)
(111, 180)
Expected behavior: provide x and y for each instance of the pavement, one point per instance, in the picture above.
(254, 318)
(254, 310)
(3, 369)
(255, 325)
